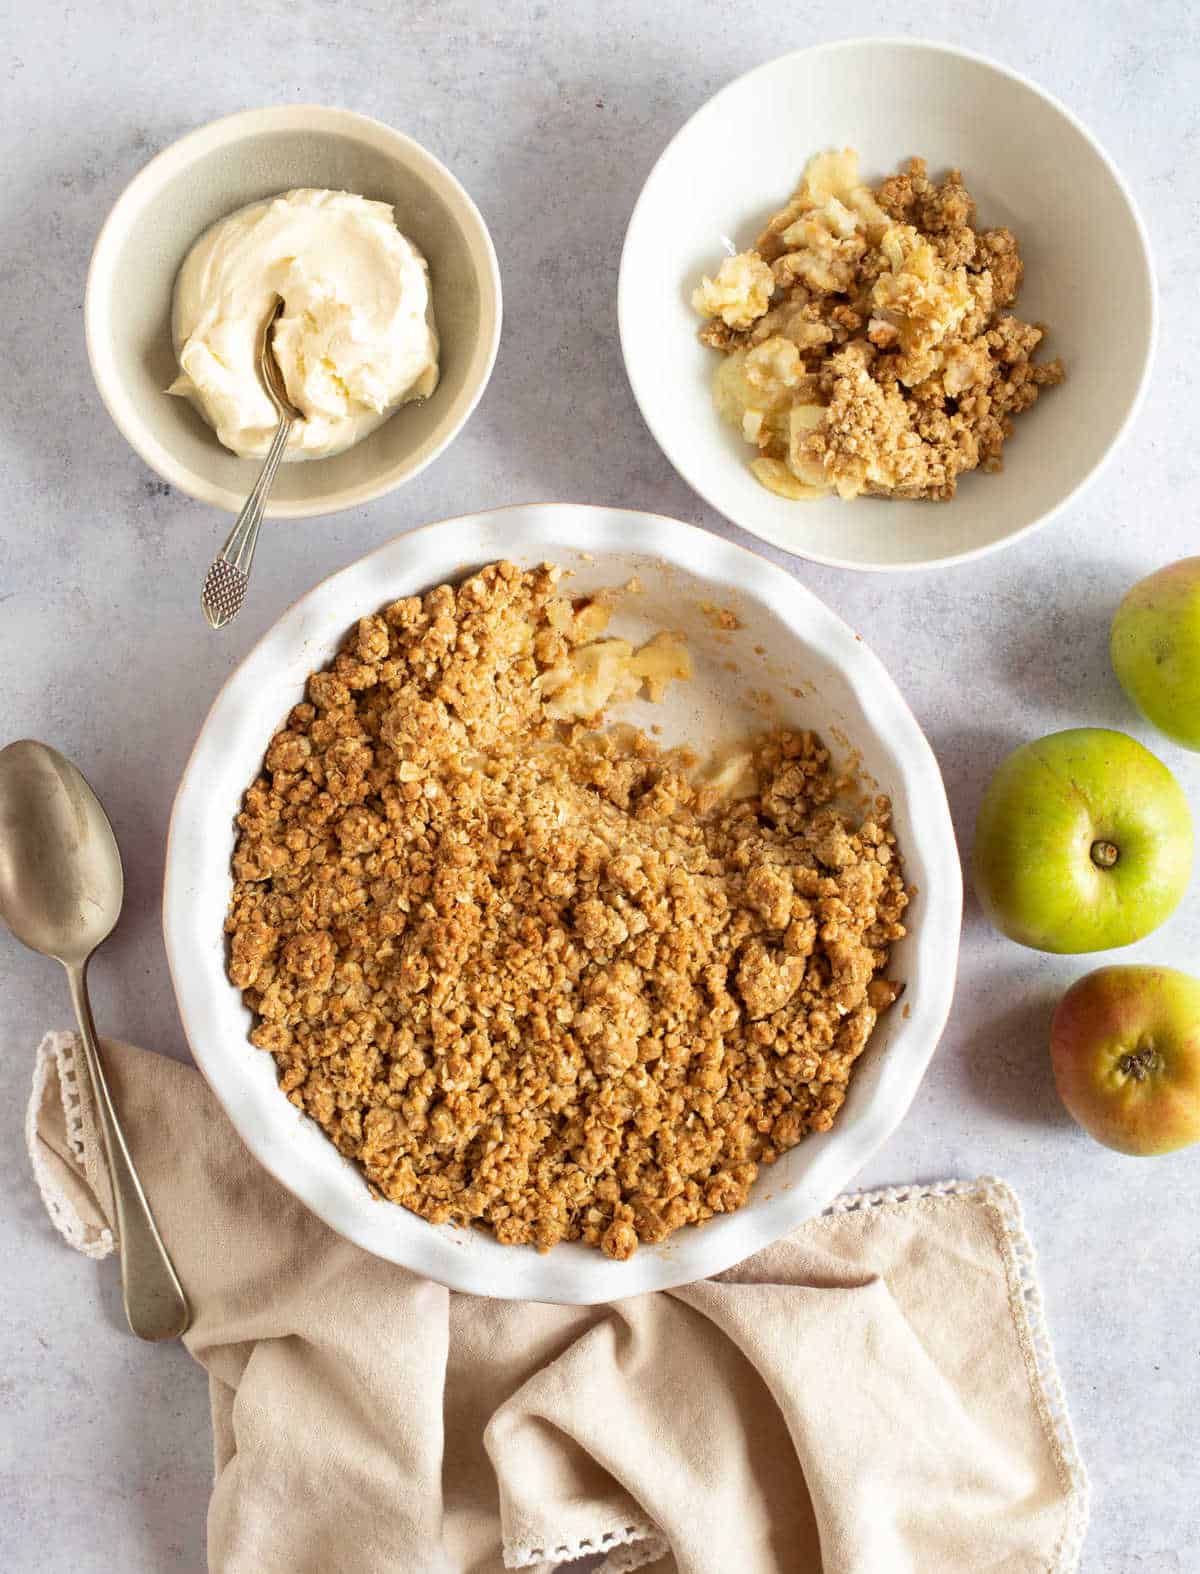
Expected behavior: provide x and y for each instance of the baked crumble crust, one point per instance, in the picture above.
(538, 976)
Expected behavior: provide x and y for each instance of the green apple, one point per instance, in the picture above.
(1155, 648)
(1125, 1043)
(1083, 841)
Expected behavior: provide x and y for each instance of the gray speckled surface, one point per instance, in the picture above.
(552, 115)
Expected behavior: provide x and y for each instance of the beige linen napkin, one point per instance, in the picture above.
(874, 1395)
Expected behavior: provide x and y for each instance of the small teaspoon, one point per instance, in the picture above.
(227, 579)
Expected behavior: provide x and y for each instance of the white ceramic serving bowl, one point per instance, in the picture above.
(817, 672)
(222, 167)
(1030, 165)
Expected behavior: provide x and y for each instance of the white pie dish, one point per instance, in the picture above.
(1031, 166)
(817, 671)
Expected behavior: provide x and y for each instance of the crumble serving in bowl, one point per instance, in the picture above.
(540, 976)
(1032, 169)
(868, 343)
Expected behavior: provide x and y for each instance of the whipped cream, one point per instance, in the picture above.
(355, 339)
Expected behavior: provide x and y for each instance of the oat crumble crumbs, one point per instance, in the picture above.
(538, 976)
(867, 344)
(721, 618)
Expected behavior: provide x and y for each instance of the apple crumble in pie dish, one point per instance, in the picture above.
(868, 339)
(532, 970)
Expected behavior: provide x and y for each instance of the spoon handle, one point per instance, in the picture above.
(225, 588)
(154, 1300)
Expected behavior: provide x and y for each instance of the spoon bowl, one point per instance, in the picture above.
(269, 370)
(61, 883)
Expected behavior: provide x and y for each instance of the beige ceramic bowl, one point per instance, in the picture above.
(224, 166)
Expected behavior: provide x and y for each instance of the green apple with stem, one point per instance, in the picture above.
(1155, 649)
(1083, 842)
(1125, 1045)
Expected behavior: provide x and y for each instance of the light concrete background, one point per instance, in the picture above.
(552, 115)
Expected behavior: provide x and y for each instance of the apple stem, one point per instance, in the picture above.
(1104, 854)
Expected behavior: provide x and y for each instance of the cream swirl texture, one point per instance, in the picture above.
(356, 337)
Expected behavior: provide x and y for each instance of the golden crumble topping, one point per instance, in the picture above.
(867, 344)
(539, 976)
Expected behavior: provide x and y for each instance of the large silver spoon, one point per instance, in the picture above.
(225, 585)
(60, 893)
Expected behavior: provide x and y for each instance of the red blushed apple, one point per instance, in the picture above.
(1125, 1042)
